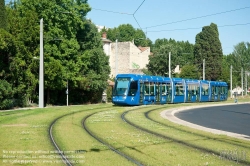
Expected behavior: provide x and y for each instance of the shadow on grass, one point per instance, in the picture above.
(94, 150)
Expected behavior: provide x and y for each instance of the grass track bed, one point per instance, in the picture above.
(91, 151)
(27, 130)
(210, 144)
(122, 136)
(24, 135)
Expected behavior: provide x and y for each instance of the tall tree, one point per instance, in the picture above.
(3, 18)
(242, 56)
(7, 51)
(189, 72)
(61, 19)
(239, 59)
(159, 62)
(185, 50)
(65, 49)
(127, 32)
(23, 68)
(208, 47)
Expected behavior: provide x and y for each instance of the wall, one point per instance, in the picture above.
(130, 59)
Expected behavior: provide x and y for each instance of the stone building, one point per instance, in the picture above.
(125, 57)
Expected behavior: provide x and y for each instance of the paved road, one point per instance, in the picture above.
(232, 118)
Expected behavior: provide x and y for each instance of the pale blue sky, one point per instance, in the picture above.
(169, 12)
(158, 12)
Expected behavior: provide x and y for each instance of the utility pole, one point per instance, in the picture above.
(203, 69)
(116, 54)
(41, 71)
(67, 92)
(169, 65)
(231, 82)
(242, 81)
(246, 83)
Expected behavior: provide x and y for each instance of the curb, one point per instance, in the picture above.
(169, 114)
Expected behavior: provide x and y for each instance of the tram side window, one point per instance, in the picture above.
(216, 90)
(179, 90)
(133, 88)
(220, 90)
(197, 90)
(169, 89)
(146, 89)
(224, 90)
(152, 89)
(142, 88)
(204, 89)
(164, 90)
(192, 89)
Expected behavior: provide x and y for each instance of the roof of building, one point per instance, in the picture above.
(111, 83)
(106, 40)
(143, 48)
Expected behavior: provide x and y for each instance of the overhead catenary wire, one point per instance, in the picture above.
(103, 10)
(135, 12)
(188, 19)
(124, 13)
(194, 18)
(221, 26)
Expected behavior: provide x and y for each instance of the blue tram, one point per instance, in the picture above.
(133, 89)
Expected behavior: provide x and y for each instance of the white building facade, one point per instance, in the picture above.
(125, 57)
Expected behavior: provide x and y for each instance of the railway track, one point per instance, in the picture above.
(123, 117)
(64, 158)
(146, 114)
(106, 144)
(60, 152)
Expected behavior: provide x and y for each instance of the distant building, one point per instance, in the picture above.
(125, 57)
(238, 90)
(100, 27)
(177, 69)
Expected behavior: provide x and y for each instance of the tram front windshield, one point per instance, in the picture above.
(121, 86)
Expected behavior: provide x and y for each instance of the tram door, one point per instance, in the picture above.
(163, 93)
(189, 93)
(169, 93)
(212, 93)
(193, 93)
(141, 92)
(198, 93)
(219, 93)
(157, 89)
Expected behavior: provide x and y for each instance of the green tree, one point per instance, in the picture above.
(23, 68)
(184, 53)
(127, 32)
(159, 62)
(189, 72)
(6, 94)
(239, 59)
(3, 18)
(208, 47)
(68, 37)
(225, 75)
(242, 56)
(7, 51)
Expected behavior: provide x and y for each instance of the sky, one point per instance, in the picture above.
(181, 20)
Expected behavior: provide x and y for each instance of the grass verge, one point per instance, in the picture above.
(24, 135)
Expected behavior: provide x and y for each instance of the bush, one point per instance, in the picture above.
(6, 104)
(6, 95)
(109, 93)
